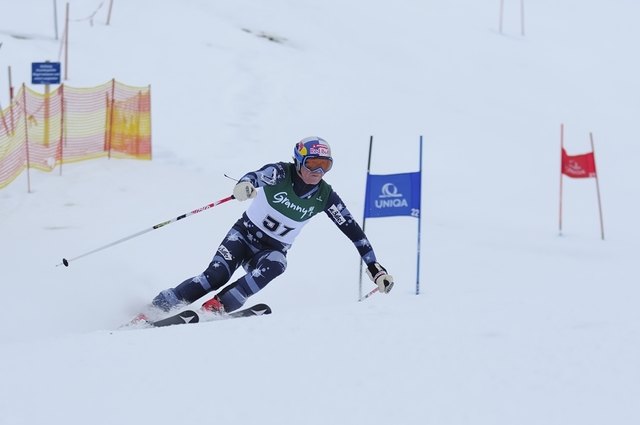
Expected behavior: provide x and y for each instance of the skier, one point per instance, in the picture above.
(291, 194)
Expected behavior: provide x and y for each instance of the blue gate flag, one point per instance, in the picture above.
(392, 195)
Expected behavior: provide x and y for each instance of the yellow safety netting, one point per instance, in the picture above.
(71, 124)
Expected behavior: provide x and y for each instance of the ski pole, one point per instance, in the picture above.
(157, 226)
(373, 291)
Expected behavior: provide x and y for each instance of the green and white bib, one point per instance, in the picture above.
(280, 213)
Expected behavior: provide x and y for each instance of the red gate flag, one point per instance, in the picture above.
(578, 166)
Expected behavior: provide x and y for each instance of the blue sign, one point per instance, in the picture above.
(45, 73)
(392, 195)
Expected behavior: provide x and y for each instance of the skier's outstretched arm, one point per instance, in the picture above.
(342, 217)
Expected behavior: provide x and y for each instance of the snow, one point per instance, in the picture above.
(515, 324)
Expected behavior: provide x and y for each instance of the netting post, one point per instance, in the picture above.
(110, 112)
(107, 103)
(66, 45)
(47, 113)
(62, 122)
(11, 117)
(26, 134)
(138, 126)
(109, 14)
(148, 110)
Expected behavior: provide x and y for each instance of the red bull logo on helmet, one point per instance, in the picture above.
(320, 150)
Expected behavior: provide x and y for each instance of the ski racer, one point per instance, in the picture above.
(291, 194)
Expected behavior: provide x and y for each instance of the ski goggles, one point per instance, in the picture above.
(317, 164)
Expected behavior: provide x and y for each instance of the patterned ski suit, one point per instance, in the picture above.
(260, 239)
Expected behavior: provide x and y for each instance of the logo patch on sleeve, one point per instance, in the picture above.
(337, 215)
(225, 253)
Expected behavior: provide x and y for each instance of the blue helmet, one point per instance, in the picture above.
(314, 153)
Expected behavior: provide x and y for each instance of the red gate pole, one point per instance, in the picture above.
(597, 187)
(561, 149)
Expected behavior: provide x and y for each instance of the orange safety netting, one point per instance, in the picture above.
(73, 124)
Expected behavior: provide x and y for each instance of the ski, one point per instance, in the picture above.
(191, 316)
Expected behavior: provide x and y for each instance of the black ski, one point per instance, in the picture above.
(190, 316)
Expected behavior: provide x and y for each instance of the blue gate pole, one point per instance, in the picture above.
(419, 230)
